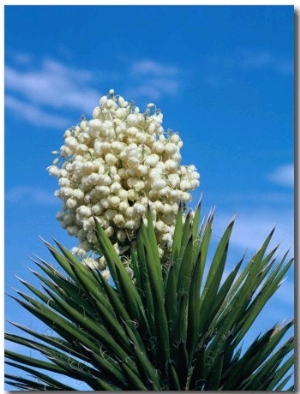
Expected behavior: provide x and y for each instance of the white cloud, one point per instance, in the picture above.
(249, 232)
(36, 90)
(251, 228)
(154, 89)
(238, 200)
(257, 59)
(151, 67)
(283, 175)
(35, 115)
(21, 57)
(30, 195)
(153, 80)
(54, 85)
(285, 294)
(264, 59)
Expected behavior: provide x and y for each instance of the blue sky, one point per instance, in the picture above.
(223, 78)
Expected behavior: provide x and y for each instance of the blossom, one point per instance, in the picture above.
(115, 165)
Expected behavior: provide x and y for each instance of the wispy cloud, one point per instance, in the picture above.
(151, 67)
(53, 84)
(35, 115)
(246, 60)
(285, 293)
(39, 89)
(249, 232)
(262, 59)
(21, 57)
(251, 228)
(283, 175)
(250, 59)
(154, 80)
(29, 195)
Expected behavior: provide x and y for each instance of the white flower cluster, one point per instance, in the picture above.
(112, 167)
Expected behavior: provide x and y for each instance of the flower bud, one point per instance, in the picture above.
(139, 209)
(106, 274)
(91, 263)
(132, 120)
(159, 184)
(171, 165)
(84, 211)
(54, 170)
(114, 200)
(131, 224)
(119, 221)
(109, 231)
(111, 159)
(158, 147)
(152, 160)
(121, 235)
(97, 209)
(71, 203)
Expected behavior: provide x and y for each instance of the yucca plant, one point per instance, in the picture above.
(173, 326)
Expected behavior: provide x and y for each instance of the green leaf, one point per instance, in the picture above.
(177, 234)
(171, 297)
(195, 226)
(55, 341)
(183, 290)
(163, 330)
(157, 291)
(31, 385)
(214, 279)
(121, 278)
(72, 333)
